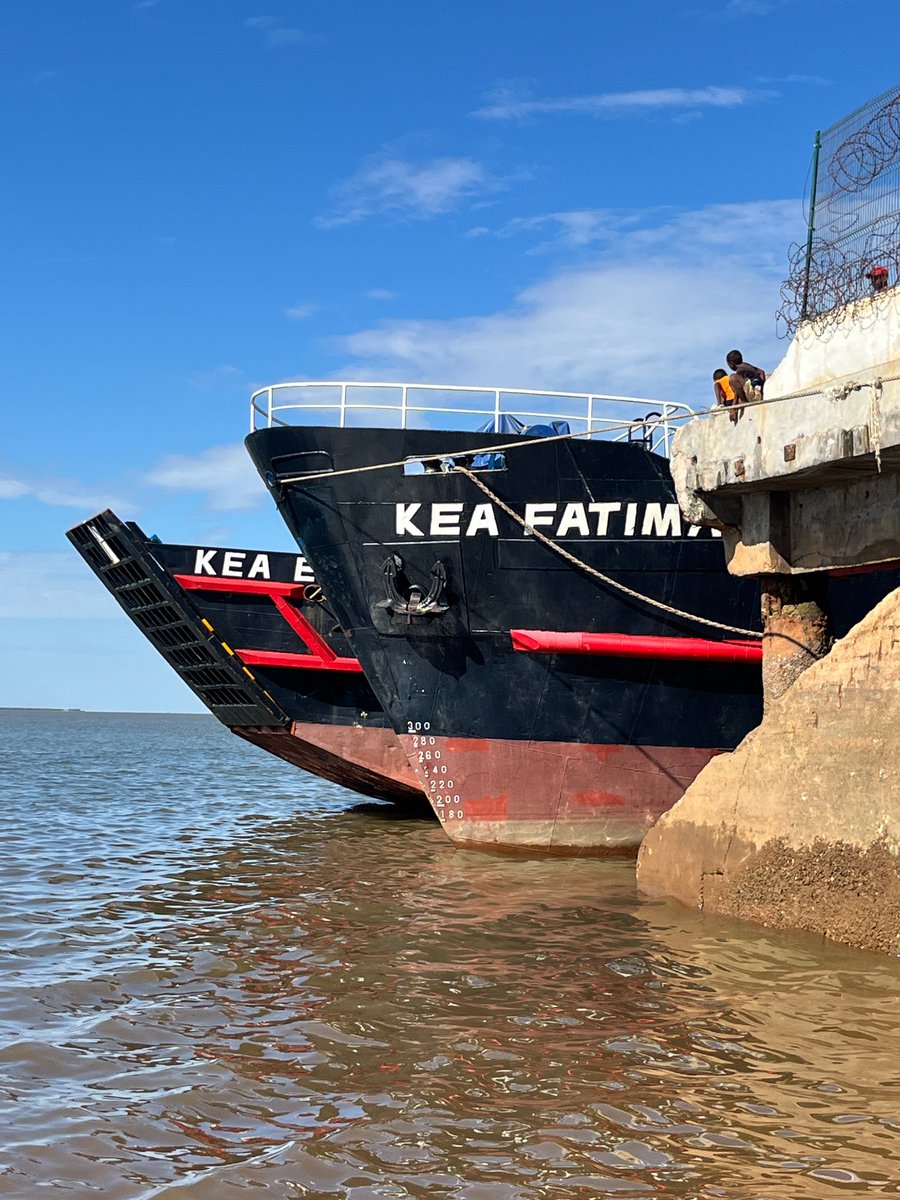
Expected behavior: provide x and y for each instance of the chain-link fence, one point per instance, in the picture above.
(852, 250)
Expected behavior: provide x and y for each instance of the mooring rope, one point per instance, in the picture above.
(875, 420)
(583, 566)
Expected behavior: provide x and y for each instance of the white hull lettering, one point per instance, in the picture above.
(573, 517)
(483, 520)
(203, 562)
(242, 564)
(662, 521)
(565, 519)
(404, 520)
(445, 518)
(604, 512)
(233, 564)
(259, 568)
(539, 514)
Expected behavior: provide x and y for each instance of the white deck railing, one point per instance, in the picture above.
(352, 404)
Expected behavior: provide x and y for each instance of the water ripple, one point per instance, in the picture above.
(221, 974)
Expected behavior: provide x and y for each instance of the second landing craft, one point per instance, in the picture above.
(246, 631)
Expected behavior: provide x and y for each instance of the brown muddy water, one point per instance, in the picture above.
(224, 978)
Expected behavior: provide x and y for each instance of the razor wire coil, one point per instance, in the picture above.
(854, 223)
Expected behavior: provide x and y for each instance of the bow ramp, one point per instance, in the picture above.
(121, 556)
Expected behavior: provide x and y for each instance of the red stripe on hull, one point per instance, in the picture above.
(626, 645)
(251, 587)
(550, 797)
(299, 662)
(365, 759)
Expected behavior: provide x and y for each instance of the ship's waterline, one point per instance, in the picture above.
(549, 797)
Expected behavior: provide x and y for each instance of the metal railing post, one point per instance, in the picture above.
(496, 410)
(404, 402)
(804, 303)
(343, 404)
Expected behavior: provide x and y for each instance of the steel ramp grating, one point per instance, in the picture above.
(121, 557)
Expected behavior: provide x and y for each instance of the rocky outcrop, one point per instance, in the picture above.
(800, 826)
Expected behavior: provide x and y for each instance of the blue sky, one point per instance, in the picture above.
(204, 196)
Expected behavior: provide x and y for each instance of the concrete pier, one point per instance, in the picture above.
(810, 482)
(800, 826)
(798, 629)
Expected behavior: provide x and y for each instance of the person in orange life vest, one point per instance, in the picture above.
(725, 394)
(746, 380)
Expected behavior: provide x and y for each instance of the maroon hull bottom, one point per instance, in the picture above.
(361, 758)
(550, 797)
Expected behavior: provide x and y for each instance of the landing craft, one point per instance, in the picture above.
(463, 574)
(248, 633)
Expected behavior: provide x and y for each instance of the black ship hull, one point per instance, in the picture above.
(478, 638)
(242, 629)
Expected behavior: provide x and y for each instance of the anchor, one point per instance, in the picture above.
(416, 603)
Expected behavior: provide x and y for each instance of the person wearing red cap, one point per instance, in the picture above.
(878, 278)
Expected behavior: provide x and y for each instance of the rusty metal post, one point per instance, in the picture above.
(797, 628)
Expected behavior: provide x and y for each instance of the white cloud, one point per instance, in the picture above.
(748, 8)
(509, 104)
(61, 493)
(386, 184)
(224, 474)
(653, 315)
(737, 9)
(300, 312)
(224, 375)
(275, 33)
(380, 294)
(753, 8)
(51, 585)
(12, 489)
(814, 80)
(573, 228)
